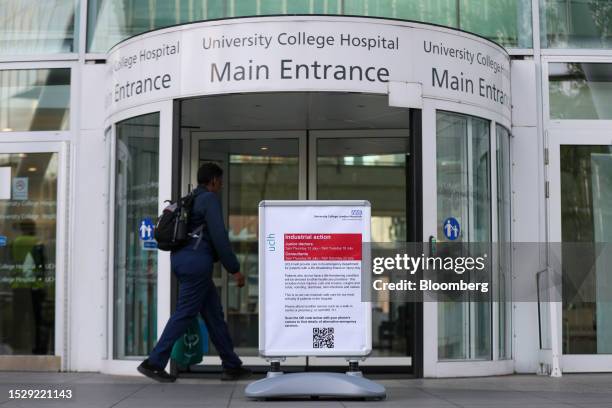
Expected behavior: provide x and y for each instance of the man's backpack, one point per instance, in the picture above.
(172, 228)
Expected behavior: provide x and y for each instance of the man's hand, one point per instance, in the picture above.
(239, 278)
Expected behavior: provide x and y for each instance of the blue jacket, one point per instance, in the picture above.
(207, 209)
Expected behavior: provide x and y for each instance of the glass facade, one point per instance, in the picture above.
(38, 27)
(39, 100)
(576, 23)
(28, 210)
(580, 90)
(34, 99)
(505, 21)
(586, 216)
(464, 192)
(135, 259)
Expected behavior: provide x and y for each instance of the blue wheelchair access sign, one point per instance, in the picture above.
(451, 228)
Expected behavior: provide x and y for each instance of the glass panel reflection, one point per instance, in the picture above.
(373, 169)
(34, 99)
(37, 27)
(463, 182)
(28, 208)
(580, 90)
(254, 170)
(504, 222)
(506, 21)
(136, 196)
(576, 23)
(586, 217)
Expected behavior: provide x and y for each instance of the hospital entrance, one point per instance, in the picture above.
(306, 146)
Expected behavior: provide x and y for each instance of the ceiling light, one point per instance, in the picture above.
(264, 148)
(32, 169)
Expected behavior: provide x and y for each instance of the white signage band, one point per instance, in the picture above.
(307, 53)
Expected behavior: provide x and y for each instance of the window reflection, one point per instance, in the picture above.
(504, 238)
(373, 169)
(254, 170)
(37, 27)
(586, 215)
(463, 182)
(34, 99)
(576, 23)
(580, 90)
(136, 199)
(506, 21)
(27, 252)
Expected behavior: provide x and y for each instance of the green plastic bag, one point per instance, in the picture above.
(188, 348)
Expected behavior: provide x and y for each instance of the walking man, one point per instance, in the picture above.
(193, 267)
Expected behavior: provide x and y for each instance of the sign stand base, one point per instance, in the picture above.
(315, 385)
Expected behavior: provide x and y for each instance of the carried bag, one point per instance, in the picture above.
(171, 230)
(190, 348)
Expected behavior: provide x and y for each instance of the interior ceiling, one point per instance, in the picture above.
(385, 142)
(257, 147)
(292, 111)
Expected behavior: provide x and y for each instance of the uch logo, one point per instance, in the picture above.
(271, 242)
(356, 212)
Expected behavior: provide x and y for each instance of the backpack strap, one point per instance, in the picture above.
(198, 232)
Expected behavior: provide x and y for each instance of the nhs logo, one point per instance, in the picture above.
(356, 213)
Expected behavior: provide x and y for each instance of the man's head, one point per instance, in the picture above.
(27, 227)
(210, 175)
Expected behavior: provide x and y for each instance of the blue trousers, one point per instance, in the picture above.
(197, 294)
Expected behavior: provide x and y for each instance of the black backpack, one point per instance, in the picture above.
(172, 228)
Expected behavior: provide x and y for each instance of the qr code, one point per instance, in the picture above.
(322, 337)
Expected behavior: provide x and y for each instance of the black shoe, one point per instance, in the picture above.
(234, 374)
(155, 373)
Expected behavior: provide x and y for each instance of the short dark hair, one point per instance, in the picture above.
(208, 171)
(27, 226)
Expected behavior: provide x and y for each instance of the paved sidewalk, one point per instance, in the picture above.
(524, 391)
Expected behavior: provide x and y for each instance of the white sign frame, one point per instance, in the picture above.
(366, 306)
(6, 183)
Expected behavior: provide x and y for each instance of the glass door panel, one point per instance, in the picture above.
(463, 183)
(28, 211)
(580, 193)
(586, 226)
(370, 165)
(135, 263)
(257, 166)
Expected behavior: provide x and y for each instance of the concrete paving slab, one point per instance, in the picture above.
(91, 390)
